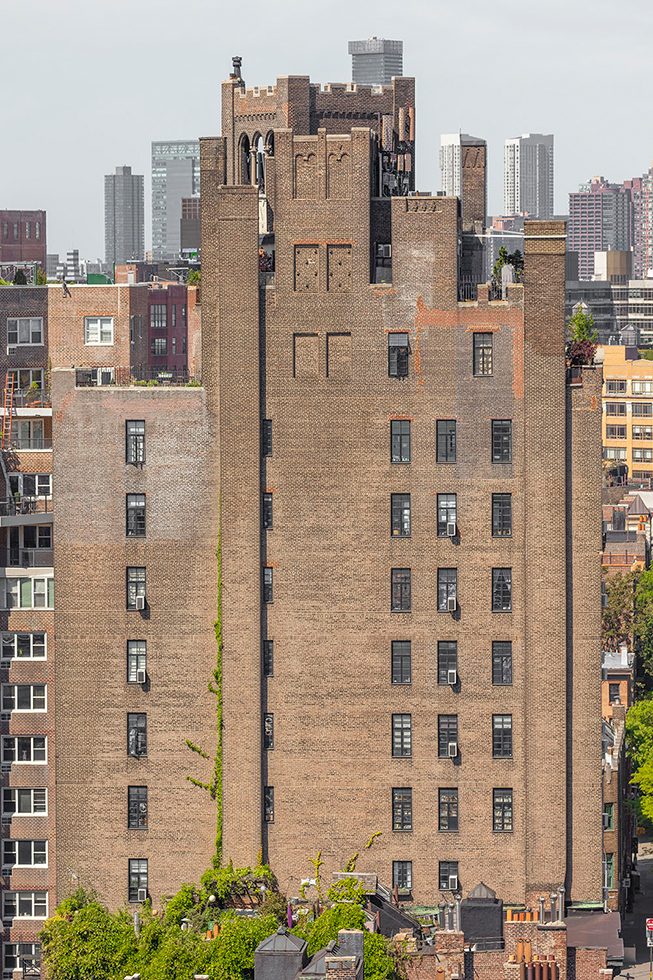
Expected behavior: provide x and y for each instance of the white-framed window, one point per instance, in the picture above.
(27, 593)
(23, 646)
(642, 455)
(29, 434)
(25, 331)
(30, 484)
(24, 697)
(20, 956)
(642, 387)
(24, 802)
(617, 453)
(25, 377)
(24, 905)
(24, 854)
(25, 749)
(98, 330)
(136, 659)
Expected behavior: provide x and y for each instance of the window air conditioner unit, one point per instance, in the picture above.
(606, 821)
(452, 749)
(452, 605)
(451, 529)
(384, 251)
(452, 676)
(141, 676)
(142, 894)
(453, 883)
(140, 602)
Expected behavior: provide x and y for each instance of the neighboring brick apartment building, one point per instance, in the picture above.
(408, 488)
(22, 237)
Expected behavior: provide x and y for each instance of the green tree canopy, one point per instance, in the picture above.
(617, 623)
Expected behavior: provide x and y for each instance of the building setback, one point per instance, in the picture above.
(124, 216)
(528, 175)
(175, 175)
(403, 649)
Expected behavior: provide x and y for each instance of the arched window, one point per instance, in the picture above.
(244, 150)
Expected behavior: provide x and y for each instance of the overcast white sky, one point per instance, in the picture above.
(88, 84)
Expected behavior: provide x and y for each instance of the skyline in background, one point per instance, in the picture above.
(583, 83)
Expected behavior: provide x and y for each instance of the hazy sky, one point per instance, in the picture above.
(88, 84)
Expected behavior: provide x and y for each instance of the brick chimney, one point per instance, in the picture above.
(340, 967)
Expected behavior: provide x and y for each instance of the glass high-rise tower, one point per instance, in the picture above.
(175, 175)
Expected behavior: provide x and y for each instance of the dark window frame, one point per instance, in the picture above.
(446, 440)
(398, 355)
(266, 437)
(137, 879)
(402, 735)
(446, 869)
(137, 808)
(401, 655)
(134, 442)
(402, 876)
(268, 731)
(447, 587)
(401, 596)
(268, 585)
(502, 590)
(447, 732)
(502, 736)
(400, 441)
(501, 442)
(268, 804)
(482, 362)
(402, 809)
(268, 658)
(400, 515)
(136, 585)
(448, 810)
(503, 817)
(135, 515)
(444, 512)
(502, 663)
(137, 735)
(267, 516)
(447, 660)
(501, 515)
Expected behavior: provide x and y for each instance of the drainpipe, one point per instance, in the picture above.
(541, 901)
(561, 903)
(458, 917)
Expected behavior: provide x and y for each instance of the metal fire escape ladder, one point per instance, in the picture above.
(8, 409)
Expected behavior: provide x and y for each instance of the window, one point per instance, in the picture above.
(29, 434)
(398, 351)
(642, 387)
(642, 455)
(268, 731)
(30, 484)
(24, 853)
(448, 876)
(267, 511)
(447, 589)
(402, 876)
(619, 408)
(502, 811)
(615, 693)
(447, 735)
(159, 316)
(501, 589)
(136, 580)
(268, 804)
(448, 810)
(24, 697)
(619, 432)
(445, 441)
(24, 749)
(502, 662)
(24, 905)
(135, 442)
(400, 515)
(502, 441)
(400, 441)
(266, 437)
(135, 515)
(136, 660)
(24, 956)
(482, 354)
(173, 310)
(502, 736)
(29, 593)
(25, 331)
(98, 330)
(447, 660)
(400, 590)
(37, 228)
(23, 646)
(268, 657)
(617, 387)
(25, 802)
(137, 734)
(137, 879)
(447, 514)
(401, 662)
(137, 807)
(268, 583)
(640, 432)
(25, 377)
(402, 809)
(159, 346)
(174, 345)
(501, 515)
(27, 230)
(614, 453)
(609, 870)
(402, 742)
(608, 816)
(639, 409)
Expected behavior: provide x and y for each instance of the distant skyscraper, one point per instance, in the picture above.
(175, 175)
(375, 61)
(124, 216)
(463, 161)
(640, 190)
(528, 175)
(600, 219)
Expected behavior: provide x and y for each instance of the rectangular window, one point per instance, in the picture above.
(617, 387)
(24, 905)
(268, 731)
(402, 809)
(23, 646)
(24, 854)
(20, 749)
(268, 585)
(402, 876)
(501, 589)
(24, 697)
(619, 408)
(615, 693)
(447, 515)
(136, 661)
(400, 441)
(402, 742)
(482, 354)
(136, 582)
(400, 590)
(398, 351)
(501, 515)
(502, 811)
(608, 816)
(159, 316)
(447, 589)
(24, 378)
(618, 432)
(640, 432)
(501, 441)
(639, 409)
(25, 802)
(268, 657)
(25, 331)
(609, 870)
(447, 736)
(137, 734)
(135, 515)
(502, 736)
(642, 455)
(445, 441)
(268, 804)
(137, 807)
(448, 876)
(502, 662)
(266, 437)
(400, 515)
(401, 662)
(267, 511)
(137, 880)
(642, 387)
(29, 435)
(614, 453)
(173, 310)
(159, 346)
(448, 810)
(98, 330)
(135, 442)
(447, 661)
(29, 593)
(23, 956)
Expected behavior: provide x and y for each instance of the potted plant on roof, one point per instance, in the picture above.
(33, 395)
(582, 342)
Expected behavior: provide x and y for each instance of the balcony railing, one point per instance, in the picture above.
(30, 557)
(33, 442)
(622, 558)
(126, 377)
(32, 398)
(12, 506)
